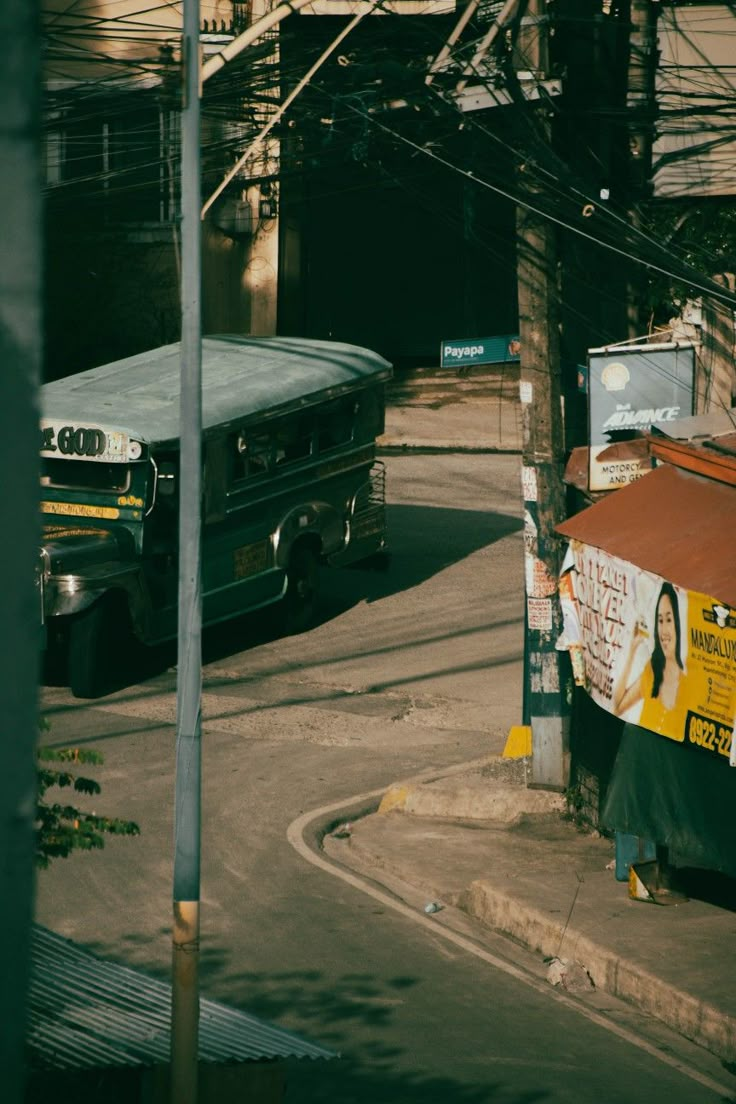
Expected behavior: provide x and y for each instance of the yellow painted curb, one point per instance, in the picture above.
(395, 798)
(518, 742)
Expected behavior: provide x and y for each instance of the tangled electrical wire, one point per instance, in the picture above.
(357, 121)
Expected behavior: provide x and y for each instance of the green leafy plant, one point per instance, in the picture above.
(702, 232)
(63, 828)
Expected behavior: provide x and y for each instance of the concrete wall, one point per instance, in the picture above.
(122, 32)
(695, 152)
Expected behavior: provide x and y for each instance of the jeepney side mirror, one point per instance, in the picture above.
(167, 479)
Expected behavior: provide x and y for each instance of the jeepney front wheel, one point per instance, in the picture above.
(94, 664)
(302, 589)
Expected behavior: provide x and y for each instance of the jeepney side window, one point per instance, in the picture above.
(336, 423)
(166, 502)
(250, 454)
(215, 479)
(369, 415)
(293, 438)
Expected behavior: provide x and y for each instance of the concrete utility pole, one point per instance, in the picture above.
(542, 459)
(187, 810)
(20, 358)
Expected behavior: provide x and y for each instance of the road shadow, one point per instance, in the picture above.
(358, 1016)
(354, 1082)
(422, 541)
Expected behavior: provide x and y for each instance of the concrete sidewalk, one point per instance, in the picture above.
(506, 855)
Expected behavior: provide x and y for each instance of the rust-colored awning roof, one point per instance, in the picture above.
(671, 522)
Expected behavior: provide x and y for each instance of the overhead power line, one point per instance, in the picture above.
(559, 196)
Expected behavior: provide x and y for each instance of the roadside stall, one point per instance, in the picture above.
(649, 593)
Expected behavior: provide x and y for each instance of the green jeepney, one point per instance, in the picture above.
(290, 481)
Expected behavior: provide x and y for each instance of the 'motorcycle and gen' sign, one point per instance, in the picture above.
(458, 353)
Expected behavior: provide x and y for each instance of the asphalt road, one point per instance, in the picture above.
(415, 668)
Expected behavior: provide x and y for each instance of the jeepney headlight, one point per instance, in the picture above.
(134, 450)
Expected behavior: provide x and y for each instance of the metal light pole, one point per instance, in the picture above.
(187, 812)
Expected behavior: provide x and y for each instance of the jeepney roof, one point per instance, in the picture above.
(241, 377)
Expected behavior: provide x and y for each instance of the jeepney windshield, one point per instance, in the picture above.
(84, 475)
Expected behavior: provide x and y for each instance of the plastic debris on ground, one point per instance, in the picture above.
(571, 975)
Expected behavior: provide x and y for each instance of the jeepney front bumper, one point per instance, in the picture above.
(73, 571)
(40, 584)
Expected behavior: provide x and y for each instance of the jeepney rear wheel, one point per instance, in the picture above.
(91, 657)
(302, 589)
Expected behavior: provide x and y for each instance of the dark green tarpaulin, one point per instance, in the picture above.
(675, 795)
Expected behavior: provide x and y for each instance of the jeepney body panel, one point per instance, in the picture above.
(286, 458)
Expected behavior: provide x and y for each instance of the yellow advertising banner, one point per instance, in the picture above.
(654, 654)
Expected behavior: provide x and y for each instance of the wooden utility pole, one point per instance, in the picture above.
(546, 669)
(20, 613)
(641, 111)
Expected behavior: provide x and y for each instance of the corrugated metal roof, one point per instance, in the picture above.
(241, 376)
(714, 457)
(87, 1013)
(704, 444)
(713, 424)
(671, 522)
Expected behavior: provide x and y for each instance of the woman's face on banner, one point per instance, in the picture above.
(666, 626)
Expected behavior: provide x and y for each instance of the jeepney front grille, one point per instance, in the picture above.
(369, 509)
(377, 494)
